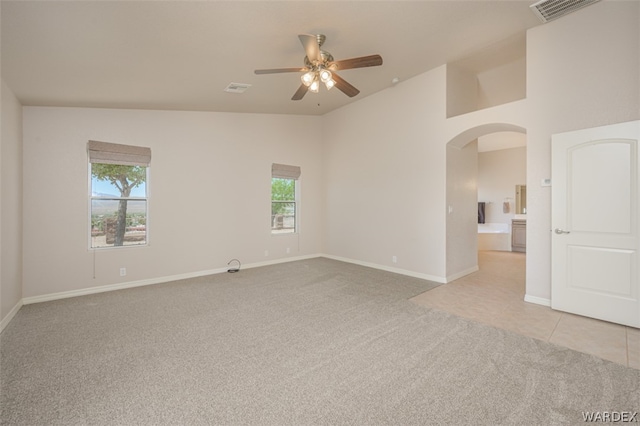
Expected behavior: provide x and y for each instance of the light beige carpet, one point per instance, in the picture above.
(309, 342)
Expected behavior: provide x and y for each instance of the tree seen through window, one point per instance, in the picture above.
(283, 205)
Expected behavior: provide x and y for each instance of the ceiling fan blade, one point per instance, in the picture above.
(361, 62)
(278, 70)
(311, 47)
(345, 87)
(302, 90)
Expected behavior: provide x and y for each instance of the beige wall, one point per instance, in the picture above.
(498, 174)
(387, 153)
(384, 174)
(209, 192)
(462, 217)
(502, 84)
(374, 180)
(582, 71)
(462, 90)
(11, 205)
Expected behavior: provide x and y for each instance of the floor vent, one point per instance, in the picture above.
(548, 10)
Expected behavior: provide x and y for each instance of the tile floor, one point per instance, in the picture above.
(494, 295)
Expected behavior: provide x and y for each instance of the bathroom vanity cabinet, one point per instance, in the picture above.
(519, 235)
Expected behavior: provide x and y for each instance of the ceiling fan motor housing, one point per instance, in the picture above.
(326, 58)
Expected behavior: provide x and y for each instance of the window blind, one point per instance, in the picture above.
(283, 171)
(113, 153)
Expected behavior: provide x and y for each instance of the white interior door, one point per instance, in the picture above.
(595, 239)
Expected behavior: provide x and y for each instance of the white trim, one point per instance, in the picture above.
(388, 269)
(12, 313)
(462, 273)
(537, 300)
(159, 280)
(282, 260)
(140, 283)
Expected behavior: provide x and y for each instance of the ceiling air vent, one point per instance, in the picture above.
(548, 10)
(237, 87)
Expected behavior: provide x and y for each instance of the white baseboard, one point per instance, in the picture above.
(462, 273)
(119, 286)
(159, 280)
(12, 313)
(151, 281)
(537, 300)
(277, 261)
(388, 269)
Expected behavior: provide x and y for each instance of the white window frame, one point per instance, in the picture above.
(90, 210)
(296, 202)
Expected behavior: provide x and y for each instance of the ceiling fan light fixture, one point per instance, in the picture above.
(325, 75)
(315, 86)
(308, 78)
(329, 83)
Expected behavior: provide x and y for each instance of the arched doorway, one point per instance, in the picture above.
(462, 198)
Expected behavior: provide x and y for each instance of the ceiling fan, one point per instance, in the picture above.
(321, 68)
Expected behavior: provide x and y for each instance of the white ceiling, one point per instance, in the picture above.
(180, 55)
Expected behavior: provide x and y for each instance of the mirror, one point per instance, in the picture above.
(521, 199)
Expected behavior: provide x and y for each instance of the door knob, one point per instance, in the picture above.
(560, 231)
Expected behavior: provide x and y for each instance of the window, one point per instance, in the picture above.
(284, 200)
(119, 199)
(283, 205)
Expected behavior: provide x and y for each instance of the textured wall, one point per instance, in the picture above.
(374, 175)
(11, 204)
(384, 173)
(462, 217)
(582, 72)
(209, 193)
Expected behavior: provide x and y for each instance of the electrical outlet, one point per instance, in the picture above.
(394, 259)
(266, 253)
(288, 250)
(123, 272)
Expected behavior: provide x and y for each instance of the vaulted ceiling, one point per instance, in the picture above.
(181, 55)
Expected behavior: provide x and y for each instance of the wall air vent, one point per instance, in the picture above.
(237, 87)
(548, 10)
